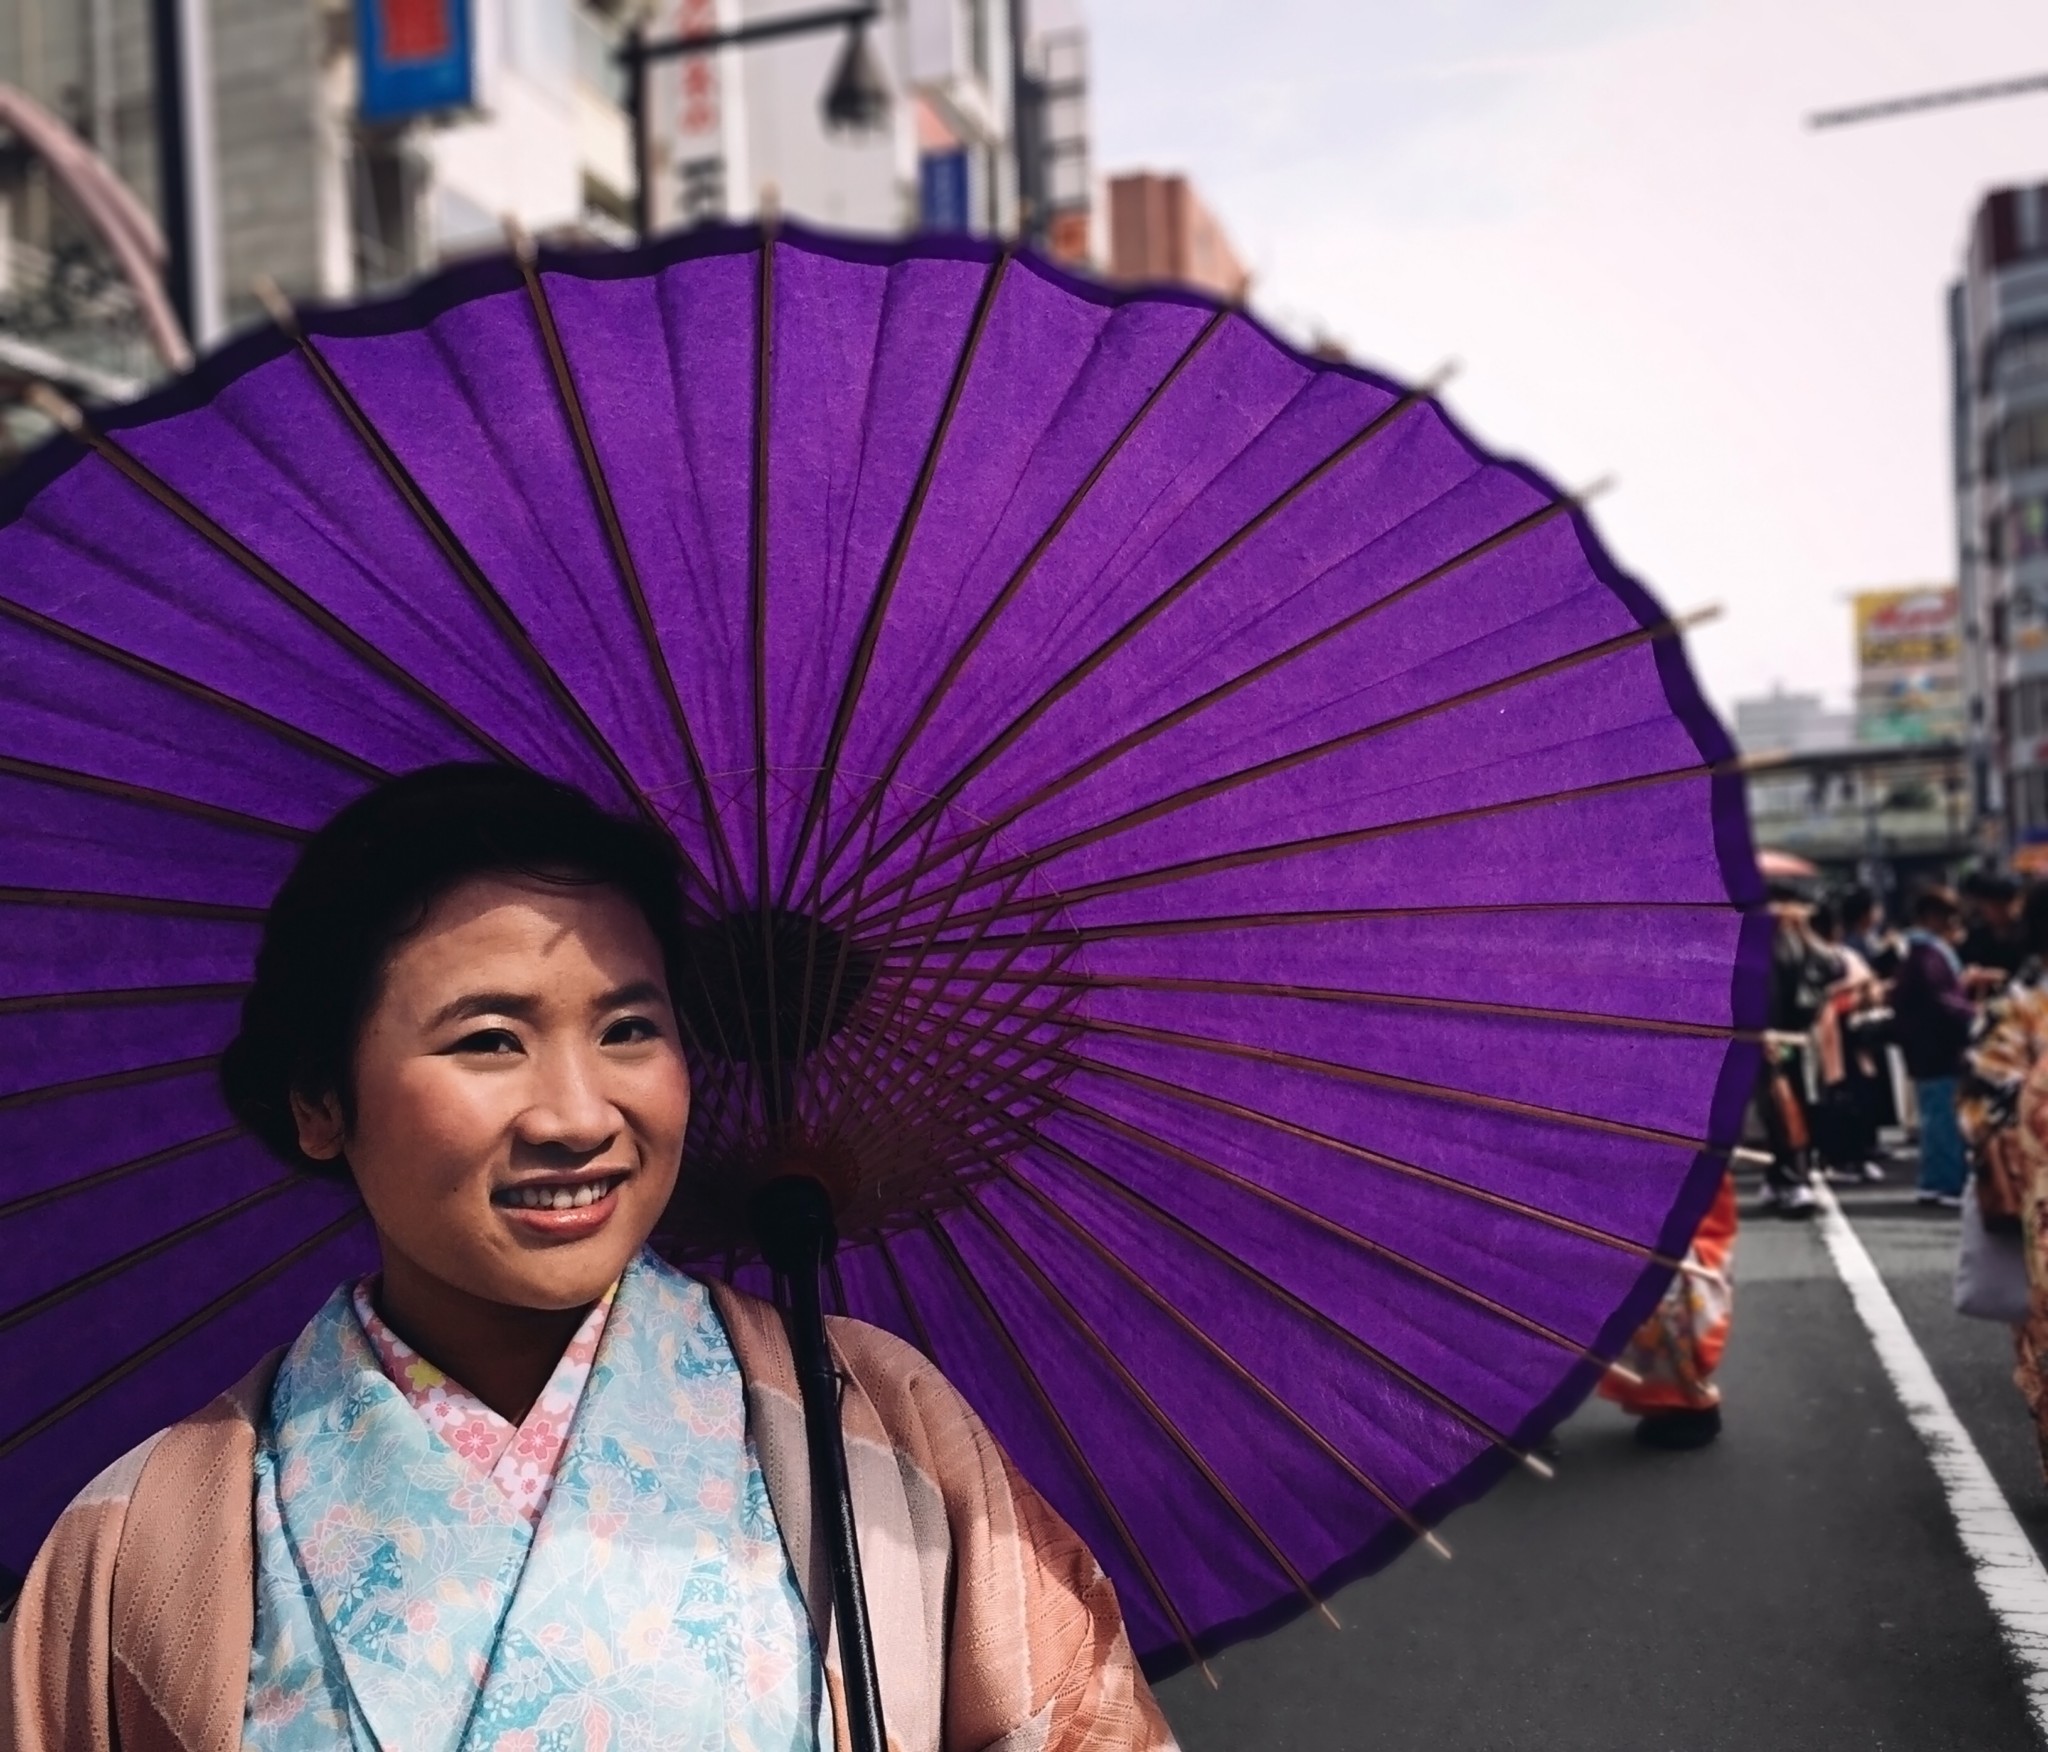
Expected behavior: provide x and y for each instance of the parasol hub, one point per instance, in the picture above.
(792, 1221)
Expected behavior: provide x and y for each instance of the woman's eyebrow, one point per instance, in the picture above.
(470, 1004)
(639, 991)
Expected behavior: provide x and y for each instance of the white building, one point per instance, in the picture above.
(1791, 723)
(331, 206)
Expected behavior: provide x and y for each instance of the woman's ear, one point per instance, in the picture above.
(322, 1130)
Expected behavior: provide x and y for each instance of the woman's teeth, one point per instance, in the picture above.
(557, 1198)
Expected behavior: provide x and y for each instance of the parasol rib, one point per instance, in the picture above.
(107, 1080)
(135, 1256)
(118, 997)
(957, 663)
(194, 690)
(870, 636)
(777, 1094)
(460, 561)
(89, 900)
(920, 1333)
(1051, 1412)
(1143, 1397)
(1350, 1238)
(1139, 930)
(1072, 678)
(600, 492)
(29, 1201)
(1307, 1134)
(144, 797)
(1299, 1305)
(1219, 862)
(148, 482)
(1223, 784)
(107, 1378)
(1247, 988)
(1122, 1268)
(1343, 1073)
(892, 571)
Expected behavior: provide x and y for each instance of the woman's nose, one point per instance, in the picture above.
(570, 1110)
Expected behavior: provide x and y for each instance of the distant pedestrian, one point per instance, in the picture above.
(1803, 971)
(1866, 931)
(1677, 1350)
(1993, 940)
(2008, 1126)
(1932, 1019)
(1848, 1071)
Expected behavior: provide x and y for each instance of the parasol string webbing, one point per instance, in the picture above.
(1218, 863)
(1072, 678)
(868, 809)
(1142, 1397)
(119, 1372)
(1223, 784)
(92, 1085)
(460, 561)
(161, 676)
(1123, 1269)
(1035, 1385)
(814, 816)
(144, 796)
(29, 1201)
(136, 1256)
(139, 475)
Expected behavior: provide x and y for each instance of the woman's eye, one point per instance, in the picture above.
(630, 1030)
(491, 1042)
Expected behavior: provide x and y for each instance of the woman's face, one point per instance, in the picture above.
(520, 1094)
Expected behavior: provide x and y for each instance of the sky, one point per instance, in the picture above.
(1612, 215)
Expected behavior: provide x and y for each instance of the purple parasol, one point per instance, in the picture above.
(1239, 896)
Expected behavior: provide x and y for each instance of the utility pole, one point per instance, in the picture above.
(190, 199)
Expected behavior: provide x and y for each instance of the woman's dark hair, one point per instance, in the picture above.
(1858, 907)
(366, 881)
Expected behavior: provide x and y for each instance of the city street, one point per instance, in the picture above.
(1802, 1584)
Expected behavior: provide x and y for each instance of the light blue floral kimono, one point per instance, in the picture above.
(404, 1605)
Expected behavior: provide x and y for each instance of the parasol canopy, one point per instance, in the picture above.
(1241, 900)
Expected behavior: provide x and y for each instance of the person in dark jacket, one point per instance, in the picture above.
(1932, 1015)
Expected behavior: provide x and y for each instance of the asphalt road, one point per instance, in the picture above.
(1799, 1585)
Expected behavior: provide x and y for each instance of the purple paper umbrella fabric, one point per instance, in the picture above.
(1242, 899)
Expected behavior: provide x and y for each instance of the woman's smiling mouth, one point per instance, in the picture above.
(561, 1208)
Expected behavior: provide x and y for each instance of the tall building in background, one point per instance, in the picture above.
(1998, 329)
(1159, 231)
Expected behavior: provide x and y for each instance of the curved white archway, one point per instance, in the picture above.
(111, 208)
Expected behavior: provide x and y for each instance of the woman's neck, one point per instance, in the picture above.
(502, 1354)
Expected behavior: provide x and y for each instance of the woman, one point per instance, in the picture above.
(529, 1487)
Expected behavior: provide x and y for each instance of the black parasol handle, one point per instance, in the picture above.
(792, 1217)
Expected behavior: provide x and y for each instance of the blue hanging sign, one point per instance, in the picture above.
(942, 190)
(415, 57)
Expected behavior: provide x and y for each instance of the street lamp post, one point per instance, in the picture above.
(856, 97)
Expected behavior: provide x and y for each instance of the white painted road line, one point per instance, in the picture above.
(2008, 1569)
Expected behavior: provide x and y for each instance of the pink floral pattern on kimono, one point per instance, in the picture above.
(519, 1461)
